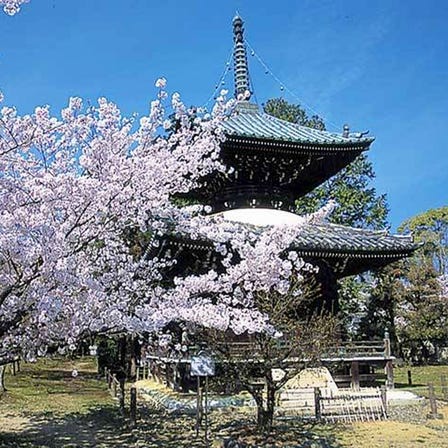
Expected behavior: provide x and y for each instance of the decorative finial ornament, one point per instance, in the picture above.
(240, 60)
(346, 131)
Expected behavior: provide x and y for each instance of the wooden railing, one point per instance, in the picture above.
(250, 351)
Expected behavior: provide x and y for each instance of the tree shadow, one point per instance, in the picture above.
(106, 428)
(96, 428)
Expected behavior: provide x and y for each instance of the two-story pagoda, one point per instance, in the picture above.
(274, 163)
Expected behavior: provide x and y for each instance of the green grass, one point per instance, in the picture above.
(421, 376)
(48, 387)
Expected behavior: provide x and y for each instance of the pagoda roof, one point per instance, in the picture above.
(338, 240)
(351, 251)
(248, 122)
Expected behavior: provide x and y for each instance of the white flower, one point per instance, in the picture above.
(161, 83)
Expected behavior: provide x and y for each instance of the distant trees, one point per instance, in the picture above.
(422, 315)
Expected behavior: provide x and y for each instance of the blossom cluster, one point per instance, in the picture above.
(12, 7)
(86, 196)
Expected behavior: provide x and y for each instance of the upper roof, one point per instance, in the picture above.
(249, 122)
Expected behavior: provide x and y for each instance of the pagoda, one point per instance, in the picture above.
(274, 163)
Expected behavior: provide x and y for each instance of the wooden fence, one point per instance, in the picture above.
(345, 406)
(118, 391)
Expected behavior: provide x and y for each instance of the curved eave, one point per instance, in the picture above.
(355, 254)
(295, 147)
(392, 253)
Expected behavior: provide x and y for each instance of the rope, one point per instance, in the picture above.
(221, 79)
(287, 89)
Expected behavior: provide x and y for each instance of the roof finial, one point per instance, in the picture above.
(240, 60)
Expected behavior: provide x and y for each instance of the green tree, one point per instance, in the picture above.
(359, 203)
(422, 320)
(431, 229)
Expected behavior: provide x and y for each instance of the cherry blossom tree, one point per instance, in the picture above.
(72, 190)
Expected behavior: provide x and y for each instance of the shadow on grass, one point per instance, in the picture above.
(105, 428)
(96, 428)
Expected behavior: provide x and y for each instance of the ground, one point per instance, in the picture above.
(46, 407)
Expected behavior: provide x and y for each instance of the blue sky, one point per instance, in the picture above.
(379, 65)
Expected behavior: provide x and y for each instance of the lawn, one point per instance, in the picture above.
(421, 376)
(46, 407)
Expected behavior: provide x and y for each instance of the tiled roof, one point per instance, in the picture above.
(342, 239)
(335, 240)
(249, 122)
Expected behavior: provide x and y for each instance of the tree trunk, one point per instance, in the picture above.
(133, 358)
(2, 378)
(265, 407)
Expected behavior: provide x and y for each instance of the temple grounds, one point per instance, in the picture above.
(46, 407)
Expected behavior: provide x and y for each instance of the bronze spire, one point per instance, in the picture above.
(240, 60)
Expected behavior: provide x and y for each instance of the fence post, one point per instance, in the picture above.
(433, 403)
(409, 378)
(121, 397)
(384, 398)
(133, 406)
(444, 387)
(317, 404)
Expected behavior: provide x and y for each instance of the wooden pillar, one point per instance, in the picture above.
(317, 404)
(433, 403)
(389, 374)
(354, 373)
(2, 378)
(387, 348)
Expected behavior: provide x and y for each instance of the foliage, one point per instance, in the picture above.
(422, 315)
(358, 203)
(86, 200)
(431, 229)
(280, 108)
(381, 309)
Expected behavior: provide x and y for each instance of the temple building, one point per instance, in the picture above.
(274, 163)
